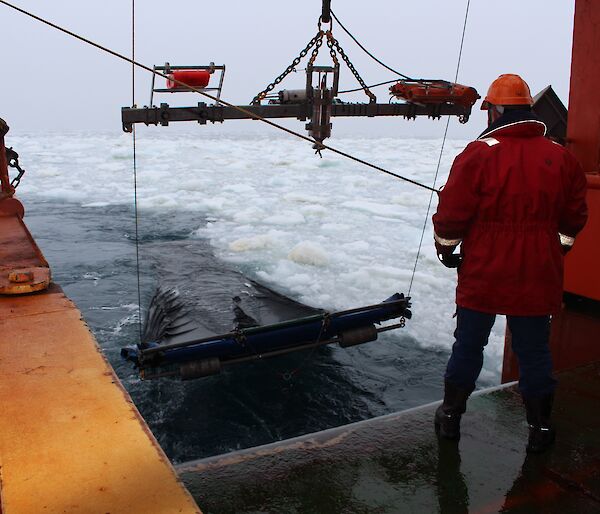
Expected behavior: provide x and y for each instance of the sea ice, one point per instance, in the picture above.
(285, 218)
(308, 252)
(345, 235)
(250, 243)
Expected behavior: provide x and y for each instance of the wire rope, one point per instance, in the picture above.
(248, 113)
(360, 88)
(135, 195)
(366, 51)
(462, 40)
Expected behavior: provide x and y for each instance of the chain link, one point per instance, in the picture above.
(13, 161)
(334, 44)
(332, 52)
(316, 49)
(317, 40)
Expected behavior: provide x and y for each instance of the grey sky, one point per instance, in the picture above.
(51, 81)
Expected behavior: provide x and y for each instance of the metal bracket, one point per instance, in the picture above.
(168, 68)
(321, 99)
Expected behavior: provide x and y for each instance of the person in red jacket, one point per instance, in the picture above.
(514, 201)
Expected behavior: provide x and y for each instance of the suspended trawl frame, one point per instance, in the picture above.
(319, 101)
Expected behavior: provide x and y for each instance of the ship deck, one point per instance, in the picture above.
(394, 464)
(71, 440)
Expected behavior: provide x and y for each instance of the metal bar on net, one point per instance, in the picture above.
(252, 330)
(274, 353)
(203, 113)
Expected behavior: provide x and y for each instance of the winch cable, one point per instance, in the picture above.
(135, 195)
(366, 51)
(374, 85)
(248, 113)
(361, 46)
(462, 40)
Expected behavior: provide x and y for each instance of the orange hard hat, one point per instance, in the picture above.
(508, 89)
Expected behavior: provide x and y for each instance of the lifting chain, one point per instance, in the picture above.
(317, 40)
(317, 47)
(332, 52)
(13, 161)
(334, 45)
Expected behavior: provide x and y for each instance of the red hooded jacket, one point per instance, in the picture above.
(512, 198)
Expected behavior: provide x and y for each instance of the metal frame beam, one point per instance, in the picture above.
(203, 113)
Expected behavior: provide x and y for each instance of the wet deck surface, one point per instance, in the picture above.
(394, 464)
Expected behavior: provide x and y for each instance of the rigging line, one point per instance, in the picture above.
(135, 195)
(462, 40)
(248, 113)
(430, 82)
(366, 51)
(361, 89)
(276, 95)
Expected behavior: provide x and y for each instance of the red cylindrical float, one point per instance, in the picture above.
(193, 78)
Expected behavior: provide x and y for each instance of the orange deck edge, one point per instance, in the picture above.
(71, 440)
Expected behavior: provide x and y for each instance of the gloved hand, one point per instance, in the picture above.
(450, 260)
(566, 249)
(566, 243)
(447, 256)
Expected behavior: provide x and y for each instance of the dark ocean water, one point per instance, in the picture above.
(92, 254)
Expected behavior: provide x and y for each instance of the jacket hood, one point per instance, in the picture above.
(516, 124)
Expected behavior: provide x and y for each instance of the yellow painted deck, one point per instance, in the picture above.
(71, 440)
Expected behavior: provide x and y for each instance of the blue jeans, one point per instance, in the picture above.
(530, 336)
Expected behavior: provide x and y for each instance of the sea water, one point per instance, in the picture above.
(327, 232)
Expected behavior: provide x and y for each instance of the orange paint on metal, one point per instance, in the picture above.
(573, 342)
(574, 337)
(582, 272)
(583, 130)
(10, 206)
(20, 258)
(583, 139)
(20, 276)
(435, 92)
(71, 439)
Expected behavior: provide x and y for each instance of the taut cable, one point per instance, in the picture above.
(135, 196)
(462, 40)
(248, 113)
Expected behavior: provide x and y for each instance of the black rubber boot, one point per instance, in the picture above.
(541, 432)
(448, 414)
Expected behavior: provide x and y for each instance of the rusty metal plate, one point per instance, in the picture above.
(23, 268)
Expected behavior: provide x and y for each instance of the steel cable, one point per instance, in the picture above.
(135, 195)
(430, 82)
(462, 40)
(366, 51)
(371, 86)
(248, 113)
